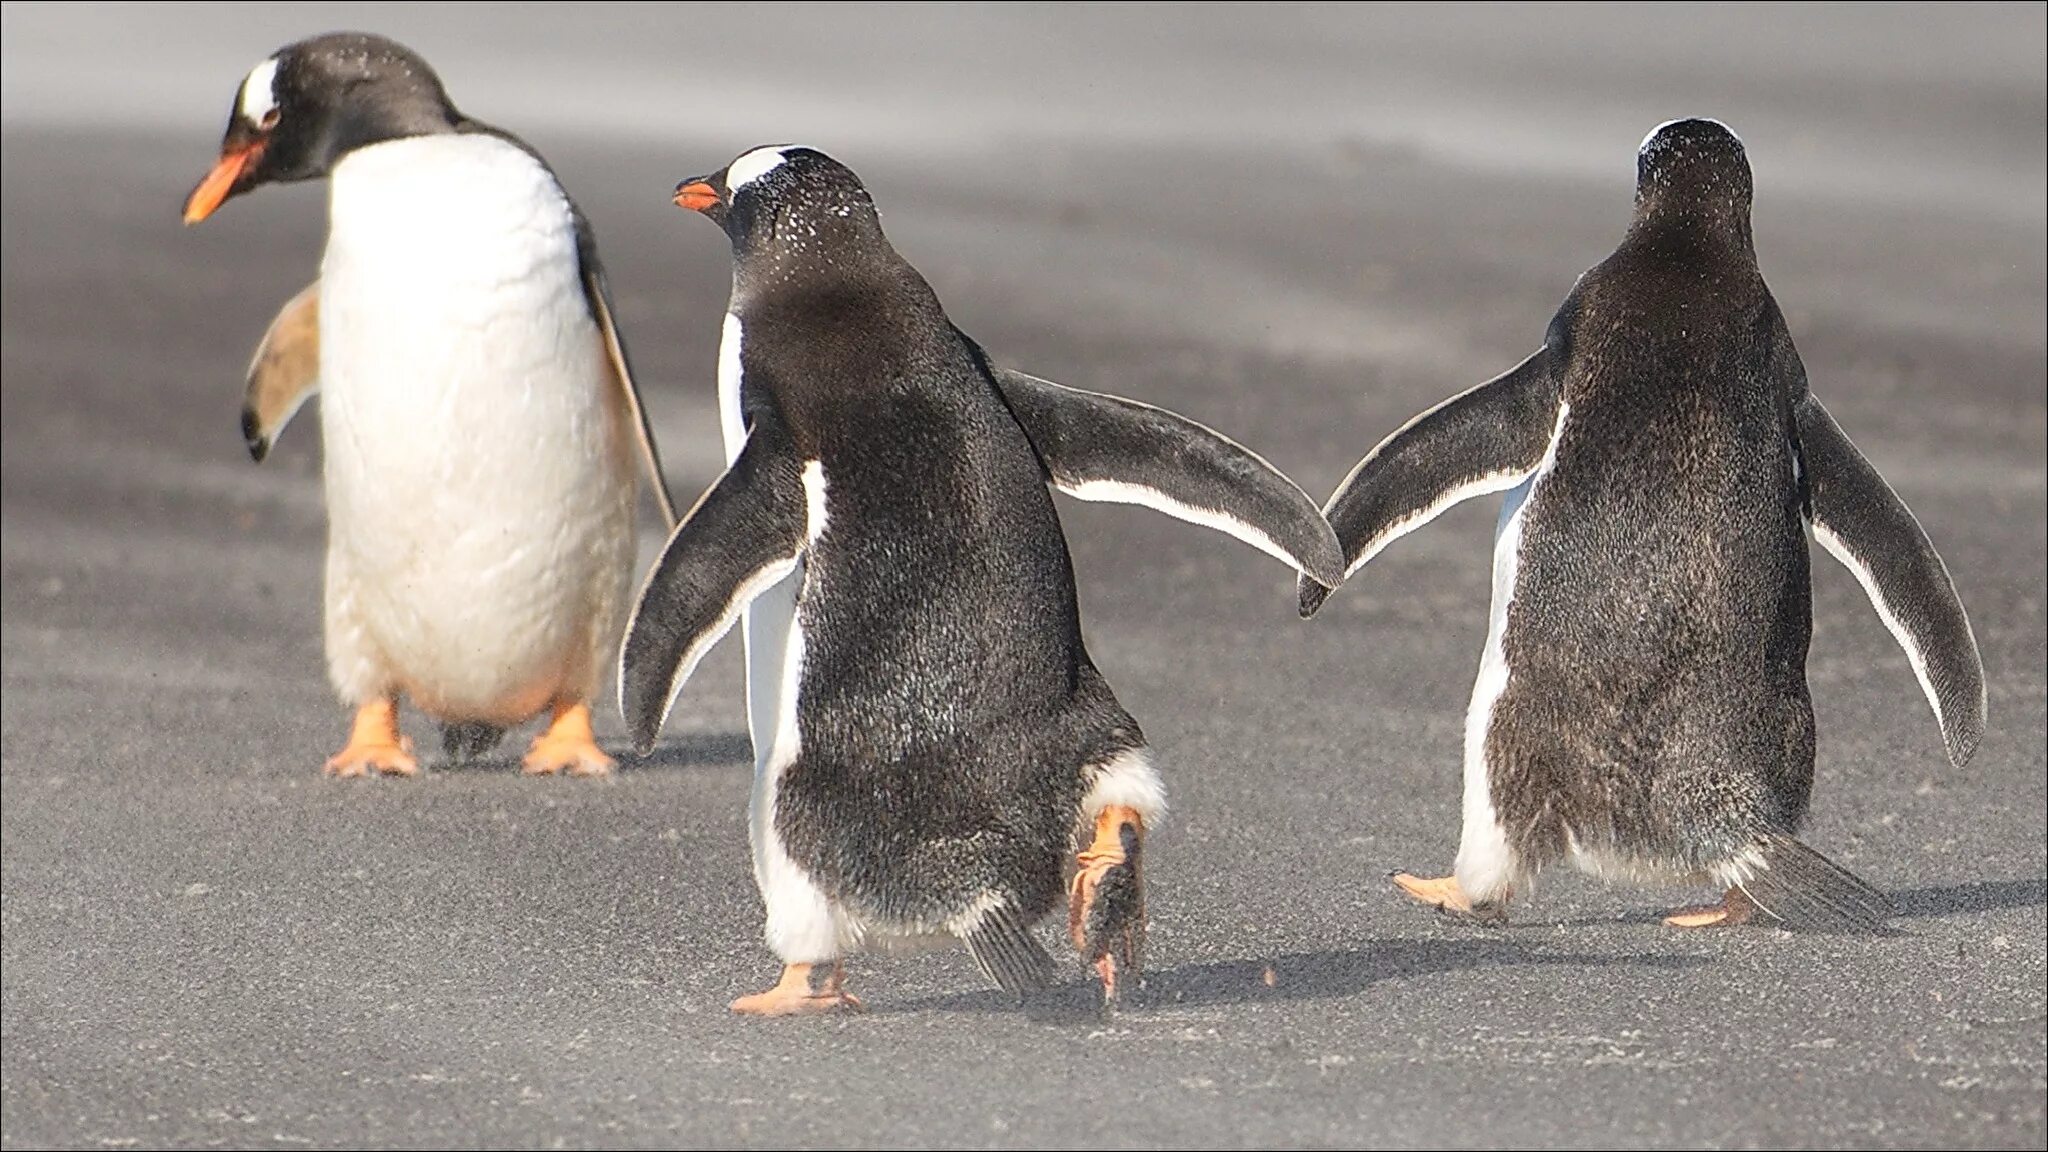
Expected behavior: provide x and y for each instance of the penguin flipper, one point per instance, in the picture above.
(285, 372)
(598, 293)
(745, 534)
(1106, 448)
(1486, 439)
(1804, 889)
(1860, 521)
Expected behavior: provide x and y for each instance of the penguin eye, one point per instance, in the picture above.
(270, 119)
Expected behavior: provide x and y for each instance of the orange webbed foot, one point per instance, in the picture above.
(375, 745)
(1106, 899)
(1734, 908)
(1439, 892)
(1446, 895)
(793, 995)
(569, 745)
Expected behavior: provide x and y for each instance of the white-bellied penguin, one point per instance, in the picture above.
(480, 423)
(938, 758)
(1641, 708)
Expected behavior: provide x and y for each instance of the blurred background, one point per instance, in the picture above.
(1906, 105)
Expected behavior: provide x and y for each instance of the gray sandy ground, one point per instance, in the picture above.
(1300, 226)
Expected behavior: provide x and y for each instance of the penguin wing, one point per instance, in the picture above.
(743, 536)
(599, 295)
(1859, 519)
(1106, 448)
(1487, 439)
(285, 372)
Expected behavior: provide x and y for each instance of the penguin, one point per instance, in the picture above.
(942, 761)
(480, 419)
(1641, 709)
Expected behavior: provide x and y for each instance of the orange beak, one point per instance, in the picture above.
(696, 196)
(220, 182)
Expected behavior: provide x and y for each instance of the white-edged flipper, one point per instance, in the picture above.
(745, 533)
(1487, 439)
(1106, 448)
(285, 372)
(1859, 519)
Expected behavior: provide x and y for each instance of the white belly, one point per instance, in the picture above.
(771, 617)
(1486, 867)
(478, 467)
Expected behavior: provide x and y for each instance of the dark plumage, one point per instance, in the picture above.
(1643, 708)
(949, 742)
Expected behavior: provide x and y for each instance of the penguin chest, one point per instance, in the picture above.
(478, 469)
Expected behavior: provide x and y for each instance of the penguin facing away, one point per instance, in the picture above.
(1641, 708)
(480, 420)
(941, 759)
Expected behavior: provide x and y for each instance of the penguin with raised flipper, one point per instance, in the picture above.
(939, 759)
(480, 420)
(1641, 708)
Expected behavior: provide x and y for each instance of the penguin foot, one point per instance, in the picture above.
(1106, 901)
(374, 745)
(793, 996)
(1734, 908)
(1443, 892)
(569, 745)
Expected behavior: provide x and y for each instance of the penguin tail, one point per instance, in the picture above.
(1804, 889)
(466, 740)
(1006, 952)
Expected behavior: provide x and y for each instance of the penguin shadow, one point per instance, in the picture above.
(691, 750)
(1288, 977)
(1974, 896)
(1907, 904)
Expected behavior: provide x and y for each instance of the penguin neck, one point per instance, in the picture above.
(381, 123)
(1706, 224)
(797, 255)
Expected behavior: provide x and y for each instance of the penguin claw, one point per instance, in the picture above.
(586, 763)
(359, 760)
(1106, 902)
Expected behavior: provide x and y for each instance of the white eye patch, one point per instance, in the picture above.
(751, 167)
(259, 92)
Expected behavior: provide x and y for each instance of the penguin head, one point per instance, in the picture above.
(788, 204)
(1693, 166)
(314, 101)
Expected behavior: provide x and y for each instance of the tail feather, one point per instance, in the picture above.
(1006, 952)
(1805, 889)
(465, 741)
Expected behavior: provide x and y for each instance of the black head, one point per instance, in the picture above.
(786, 205)
(1695, 168)
(313, 102)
